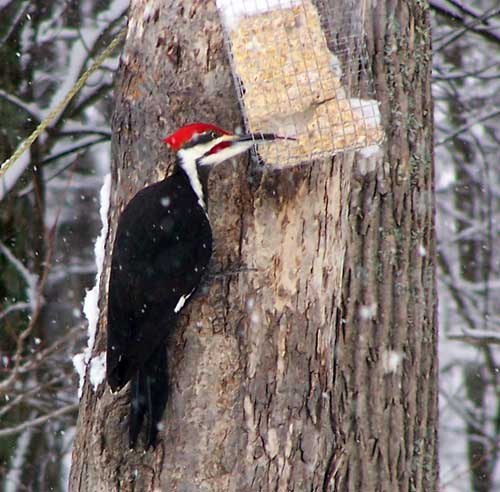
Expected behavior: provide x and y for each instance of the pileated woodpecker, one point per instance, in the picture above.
(162, 248)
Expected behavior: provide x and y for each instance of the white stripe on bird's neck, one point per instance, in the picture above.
(190, 157)
(187, 161)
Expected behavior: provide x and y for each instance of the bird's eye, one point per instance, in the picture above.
(213, 134)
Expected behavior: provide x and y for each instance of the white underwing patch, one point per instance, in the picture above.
(181, 302)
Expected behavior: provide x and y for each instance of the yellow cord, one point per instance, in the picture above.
(26, 144)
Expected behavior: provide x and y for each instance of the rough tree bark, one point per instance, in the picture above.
(308, 360)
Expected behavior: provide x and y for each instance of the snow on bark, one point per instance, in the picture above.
(90, 305)
(97, 370)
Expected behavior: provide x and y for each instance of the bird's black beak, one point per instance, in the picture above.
(228, 146)
(261, 137)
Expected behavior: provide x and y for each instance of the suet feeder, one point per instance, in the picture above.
(292, 83)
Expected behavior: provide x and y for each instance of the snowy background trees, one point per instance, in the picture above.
(49, 221)
(48, 224)
(466, 86)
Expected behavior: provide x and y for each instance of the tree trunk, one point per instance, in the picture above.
(308, 360)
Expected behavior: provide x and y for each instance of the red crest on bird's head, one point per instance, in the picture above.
(184, 134)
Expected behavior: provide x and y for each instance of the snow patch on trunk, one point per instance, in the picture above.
(97, 370)
(91, 302)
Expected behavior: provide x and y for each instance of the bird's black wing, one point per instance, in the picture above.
(162, 247)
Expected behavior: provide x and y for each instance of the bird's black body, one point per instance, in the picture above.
(162, 248)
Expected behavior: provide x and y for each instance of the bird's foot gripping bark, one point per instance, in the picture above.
(217, 274)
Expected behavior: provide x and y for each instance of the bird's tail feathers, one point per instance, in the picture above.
(149, 393)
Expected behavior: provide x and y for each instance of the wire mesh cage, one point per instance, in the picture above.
(292, 70)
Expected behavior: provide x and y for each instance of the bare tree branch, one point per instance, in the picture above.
(476, 337)
(38, 421)
(488, 34)
(6, 408)
(468, 126)
(14, 308)
(31, 109)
